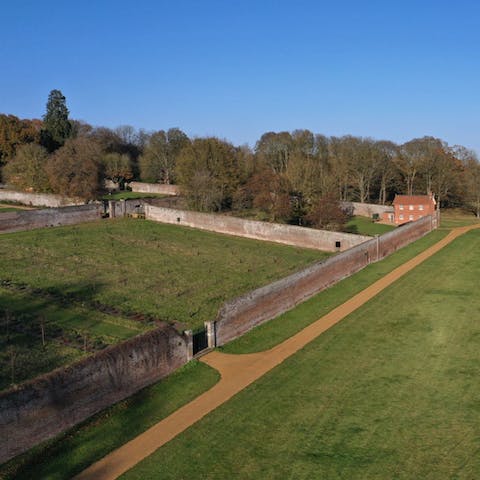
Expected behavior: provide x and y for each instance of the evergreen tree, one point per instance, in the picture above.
(56, 126)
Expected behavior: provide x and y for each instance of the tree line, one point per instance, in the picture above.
(297, 177)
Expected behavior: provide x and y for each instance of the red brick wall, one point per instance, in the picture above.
(49, 405)
(244, 313)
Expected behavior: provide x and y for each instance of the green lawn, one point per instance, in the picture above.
(365, 226)
(81, 447)
(451, 218)
(390, 392)
(172, 273)
(10, 209)
(89, 286)
(70, 453)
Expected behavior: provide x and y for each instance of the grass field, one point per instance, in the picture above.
(70, 291)
(456, 218)
(69, 332)
(9, 209)
(390, 392)
(365, 226)
(82, 448)
(70, 453)
(172, 273)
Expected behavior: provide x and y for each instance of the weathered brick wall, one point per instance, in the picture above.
(367, 209)
(37, 199)
(50, 217)
(160, 188)
(405, 234)
(48, 405)
(244, 313)
(272, 232)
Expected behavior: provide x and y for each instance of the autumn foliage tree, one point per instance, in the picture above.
(327, 214)
(117, 167)
(26, 170)
(159, 159)
(208, 173)
(75, 169)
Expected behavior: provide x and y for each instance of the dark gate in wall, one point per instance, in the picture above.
(200, 341)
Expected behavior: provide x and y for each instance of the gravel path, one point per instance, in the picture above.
(239, 371)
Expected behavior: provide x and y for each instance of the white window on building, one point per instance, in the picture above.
(400, 207)
(410, 217)
(420, 207)
(410, 207)
(400, 217)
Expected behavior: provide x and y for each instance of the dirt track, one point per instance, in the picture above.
(239, 371)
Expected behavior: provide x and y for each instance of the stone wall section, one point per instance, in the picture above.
(50, 404)
(367, 209)
(49, 217)
(242, 314)
(272, 232)
(159, 188)
(38, 199)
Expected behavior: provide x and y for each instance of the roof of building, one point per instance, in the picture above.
(413, 199)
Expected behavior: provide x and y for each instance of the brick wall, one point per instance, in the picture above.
(50, 217)
(37, 199)
(160, 188)
(367, 209)
(244, 313)
(50, 404)
(272, 232)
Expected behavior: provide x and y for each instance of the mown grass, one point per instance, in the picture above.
(67, 457)
(9, 209)
(452, 218)
(173, 273)
(271, 333)
(366, 226)
(70, 453)
(390, 392)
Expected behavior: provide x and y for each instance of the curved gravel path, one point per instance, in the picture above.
(239, 371)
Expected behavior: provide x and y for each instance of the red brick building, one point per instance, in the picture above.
(408, 208)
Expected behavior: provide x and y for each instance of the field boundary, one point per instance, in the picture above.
(49, 404)
(272, 232)
(239, 371)
(240, 315)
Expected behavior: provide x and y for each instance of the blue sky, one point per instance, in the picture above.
(236, 69)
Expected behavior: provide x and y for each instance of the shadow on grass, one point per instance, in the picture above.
(40, 330)
(73, 451)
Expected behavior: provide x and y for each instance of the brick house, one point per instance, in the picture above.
(407, 208)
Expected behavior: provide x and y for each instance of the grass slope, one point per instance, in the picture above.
(390, 392)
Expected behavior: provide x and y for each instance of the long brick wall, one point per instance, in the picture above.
(37, 199)
(246, 312)
(367, 209)
(48, 405)
(159, 188)
(272, 232)
(49, 217)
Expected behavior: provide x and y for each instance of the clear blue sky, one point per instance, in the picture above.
(236, 69)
